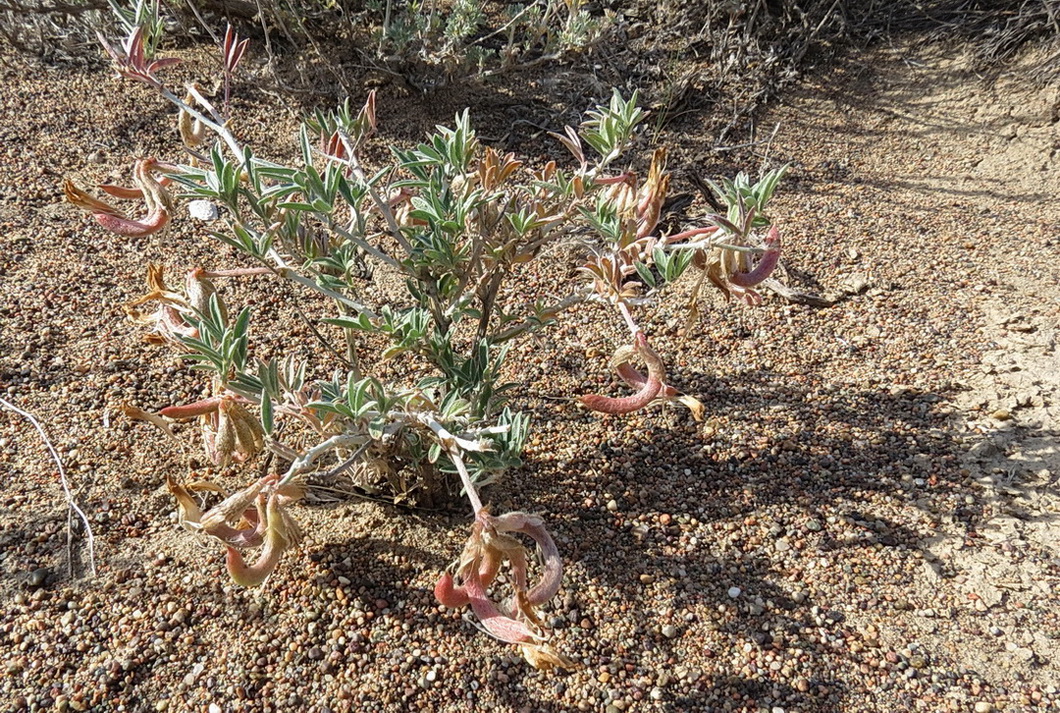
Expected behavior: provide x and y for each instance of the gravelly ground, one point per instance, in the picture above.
(865, 520)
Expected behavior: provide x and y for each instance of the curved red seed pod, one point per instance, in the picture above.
(766, 263)
(276, 541)
(134, 228)
(448, 594)
(121, 191)
(635, 379)
(611, 180)
(198, 408)
(129, 193)
(503, 627)
(650, 389)
(552, 576)
(251, 575)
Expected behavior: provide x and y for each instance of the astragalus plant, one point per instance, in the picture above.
(455, 223)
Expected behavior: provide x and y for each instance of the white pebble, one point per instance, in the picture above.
(202, 210)
(735, 592)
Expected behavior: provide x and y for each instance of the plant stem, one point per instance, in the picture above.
(70, 502)
(289, 274)
(388, 215)
(691, 233)
(238, 272)
(524, 324)
(215, 126)
(623, 308)
(722, 246)
(465, 478)
(305, 461)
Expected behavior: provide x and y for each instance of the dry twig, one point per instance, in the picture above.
(71, 504)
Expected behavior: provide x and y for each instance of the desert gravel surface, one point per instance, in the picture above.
(866, 520)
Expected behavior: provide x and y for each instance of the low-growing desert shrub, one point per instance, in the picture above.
(450, 225)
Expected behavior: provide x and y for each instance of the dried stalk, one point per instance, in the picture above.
(71, 504)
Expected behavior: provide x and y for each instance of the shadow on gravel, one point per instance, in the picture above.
(724, 530)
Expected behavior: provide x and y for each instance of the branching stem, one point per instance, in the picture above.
(71, 504)
(306, 460)
(384, 208)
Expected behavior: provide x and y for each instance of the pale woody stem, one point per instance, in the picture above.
(465, 478)
(305, 462)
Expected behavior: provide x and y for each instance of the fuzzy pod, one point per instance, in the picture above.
(650, 389)
(225, 439)
(636, 380)
(192, 131)
(766, 263)
(250, 437)
(197, 408)
(200, 289)
(153, 223)
(533, 526)
(126, 193)
(497, 624)
(280, 535)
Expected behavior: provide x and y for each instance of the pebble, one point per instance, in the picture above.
(669, 631)
(202, 210)
(38, 577)
(734, 592)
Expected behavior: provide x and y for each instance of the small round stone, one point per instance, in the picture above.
(38, 577)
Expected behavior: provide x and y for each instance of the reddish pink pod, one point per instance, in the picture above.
(448, 594)
(157, 220)
(503, 627)
(636, 380)
(198, 408)
(648, 391)
(552, 576)
(766, 263)
(129, 193)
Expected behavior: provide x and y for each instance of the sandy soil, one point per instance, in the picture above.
(866, 520)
